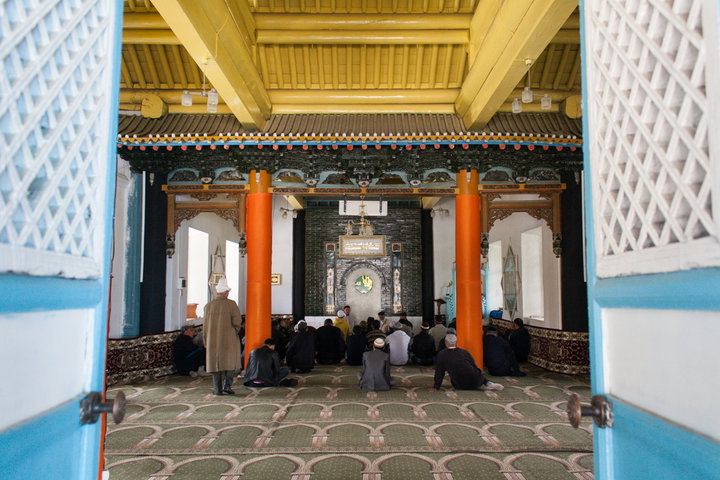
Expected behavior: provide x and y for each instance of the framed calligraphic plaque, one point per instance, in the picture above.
(362, 246)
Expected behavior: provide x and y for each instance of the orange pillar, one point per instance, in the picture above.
(468, 303)
(259, 261)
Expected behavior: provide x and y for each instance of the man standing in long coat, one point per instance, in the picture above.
(224, 353)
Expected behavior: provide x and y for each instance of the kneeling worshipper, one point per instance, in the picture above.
(330, 344)
(356, 344)
(300, 355)
(464, 373)
(188, 356)
(499, 356)
(375, 374)
(263, 369)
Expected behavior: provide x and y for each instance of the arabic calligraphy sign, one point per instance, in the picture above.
(362, 246)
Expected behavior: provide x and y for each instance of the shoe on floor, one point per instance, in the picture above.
(201, 372)
(193, 373)
(494, 386)
(217, 394)
(229, 391)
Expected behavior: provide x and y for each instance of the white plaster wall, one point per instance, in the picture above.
(672, 371)
(219, 230)
(282, 257)
(118, 267)
(508, 232)
(443, 247)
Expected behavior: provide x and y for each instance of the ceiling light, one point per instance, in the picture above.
(527, 95)
(186, 99)
(516, 106)
(545, 102)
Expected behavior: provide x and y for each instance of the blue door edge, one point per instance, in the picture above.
(688, 456)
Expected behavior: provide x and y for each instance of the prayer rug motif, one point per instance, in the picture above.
(327, 428)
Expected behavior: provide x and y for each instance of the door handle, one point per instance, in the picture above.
(92, 406)
(600, 409)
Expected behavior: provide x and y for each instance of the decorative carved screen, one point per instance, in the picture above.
(652, 133)
(56, 59)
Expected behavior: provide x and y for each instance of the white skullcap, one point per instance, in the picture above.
(222, 286)
(379, 342)
(340, 314)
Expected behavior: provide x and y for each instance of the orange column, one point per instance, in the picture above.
(259, 261)
(468, 303)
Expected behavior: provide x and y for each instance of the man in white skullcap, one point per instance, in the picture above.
(224, 352)
(375, 374)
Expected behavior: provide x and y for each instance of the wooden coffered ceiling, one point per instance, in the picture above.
(467, 57)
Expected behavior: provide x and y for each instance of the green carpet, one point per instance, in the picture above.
(327, 428)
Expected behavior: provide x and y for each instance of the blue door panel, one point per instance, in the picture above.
(61, 435)
(648, 448)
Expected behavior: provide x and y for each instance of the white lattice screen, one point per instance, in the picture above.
(55, 81)
(651, 78)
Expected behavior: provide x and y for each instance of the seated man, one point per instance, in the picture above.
(301, 350)
(375, 374)
(263, 369)
(355, 346)
(398, 341)
(423, 347)
(499, 356)
(464, 373)
(438, 332)
(189, 358)
(519, 339)
(330, 343)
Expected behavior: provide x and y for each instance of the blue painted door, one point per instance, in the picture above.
(651, 98)
(59, 93)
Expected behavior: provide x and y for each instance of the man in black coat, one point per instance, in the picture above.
(356, 344)
(464, 373)
(499, 356)
(263, 369)
(189, 358)
(519, 339)
(423, 347)
(330, 343)
(300, 355)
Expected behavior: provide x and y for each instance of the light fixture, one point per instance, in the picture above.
(186, 99)
(528, 95)
(213, 100)
(285, 212)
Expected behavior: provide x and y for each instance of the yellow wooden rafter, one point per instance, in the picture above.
(210, 32)
(518, 32)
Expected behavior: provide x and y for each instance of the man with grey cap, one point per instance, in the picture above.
(464, 373)
(375, 374)
(223, 349)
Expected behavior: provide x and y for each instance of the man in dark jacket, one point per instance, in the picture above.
(356, 344)
(519, 339)
(499, 356)
(330, 343)
(423, 347)
(263, 368)
(375, 374)
(300, 355)
(189, 358)
(464, 373)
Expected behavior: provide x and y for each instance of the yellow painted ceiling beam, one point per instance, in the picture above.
(362, 108)
(363, 37)
(211, 34)
(150, 37)
(297, 203)
(520, 31)
(429, 95)
(143, 21)
(429, 202)
(359, 21)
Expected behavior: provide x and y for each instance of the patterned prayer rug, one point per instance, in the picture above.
(327, 428)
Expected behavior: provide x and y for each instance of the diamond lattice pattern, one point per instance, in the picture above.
(55, 91)
(648, 129)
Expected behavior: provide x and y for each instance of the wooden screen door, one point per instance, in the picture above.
(59, 91)
(652, 189)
